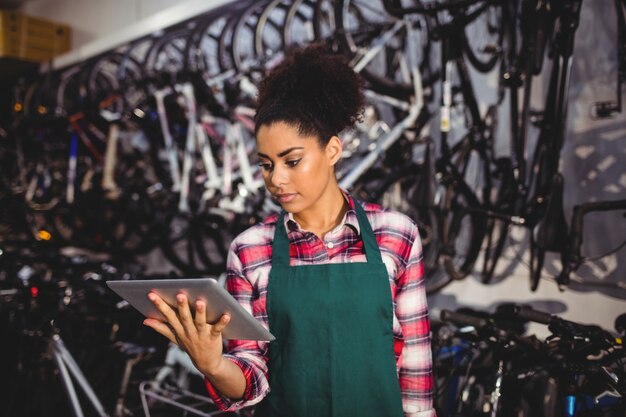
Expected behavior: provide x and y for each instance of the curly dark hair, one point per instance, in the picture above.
(313, 90)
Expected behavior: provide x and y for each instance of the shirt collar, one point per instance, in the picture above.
(349, 219)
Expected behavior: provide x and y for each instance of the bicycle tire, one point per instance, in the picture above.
(225, 55)
(104, 98)
(324, 20)
(299, 23)
(395, 191)
(493, 247)
(203, 49)
(551, 231)
(499, 227)
(405, 186)
(269, 37)
(167, 54)
(358, 23)
(537, 256)
(187, 240)
(464, 224)
(242, 45)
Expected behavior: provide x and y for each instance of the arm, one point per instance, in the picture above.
(249, 356)
(235, 379)
(415, 361)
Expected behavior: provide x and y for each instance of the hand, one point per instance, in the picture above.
(202, 341)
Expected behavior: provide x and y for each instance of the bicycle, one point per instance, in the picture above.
(46, 295)
(578, 370)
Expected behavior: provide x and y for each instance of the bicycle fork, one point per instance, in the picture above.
(67, 365)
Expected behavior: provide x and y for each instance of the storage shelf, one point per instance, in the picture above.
(145, 27)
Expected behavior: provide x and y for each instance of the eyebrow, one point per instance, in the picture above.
(281, 154)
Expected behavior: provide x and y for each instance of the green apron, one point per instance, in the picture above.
(333, 354)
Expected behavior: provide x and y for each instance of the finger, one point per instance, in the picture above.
(162, 329)
(218, 328)
(185, 314)
(200, 318)
(170, 315)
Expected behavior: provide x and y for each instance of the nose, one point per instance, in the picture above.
(278, 176)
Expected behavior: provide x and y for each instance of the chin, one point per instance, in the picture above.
(292, 208)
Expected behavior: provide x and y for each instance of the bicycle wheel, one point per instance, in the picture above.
(226, 53)
(242, 44)
(268, 32)
(464, 202)
(203, 48)
(299, 26)
(406, 186)
(324, 20)
(196, 243)
(497, 230)
(396, 191)
(484, 38)
(361, 23)
(550, 233)
(167, 54)
(537, 255)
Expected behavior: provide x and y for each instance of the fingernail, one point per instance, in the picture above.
(180, 298)
(151, 296)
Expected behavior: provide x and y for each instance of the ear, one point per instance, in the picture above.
(334, 150)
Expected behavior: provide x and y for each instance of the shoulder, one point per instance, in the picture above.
(387, 221)
(396, 233)
(256, 238)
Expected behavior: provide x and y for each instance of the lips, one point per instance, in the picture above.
(285, 198)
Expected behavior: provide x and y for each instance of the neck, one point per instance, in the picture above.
(325, 215)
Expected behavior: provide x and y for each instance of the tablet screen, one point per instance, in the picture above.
(242, 326)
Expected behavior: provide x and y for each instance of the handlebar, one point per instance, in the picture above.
(530, 314)
(593, 336)
(461, 319)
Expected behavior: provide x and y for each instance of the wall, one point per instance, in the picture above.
(92, 19)
(593, 162)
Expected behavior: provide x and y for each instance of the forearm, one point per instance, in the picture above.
(415, 372)
(228, 379)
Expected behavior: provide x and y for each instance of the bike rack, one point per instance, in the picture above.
(177, 397)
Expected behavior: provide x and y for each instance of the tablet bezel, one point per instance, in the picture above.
(242, 326)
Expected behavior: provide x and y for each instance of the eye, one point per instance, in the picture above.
(265, 166)
(292, 163)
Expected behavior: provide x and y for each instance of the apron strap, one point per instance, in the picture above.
(372, 252)
(280, 246)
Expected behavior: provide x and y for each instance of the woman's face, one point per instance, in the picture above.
(297, 171)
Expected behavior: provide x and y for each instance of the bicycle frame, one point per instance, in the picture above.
(415, 107)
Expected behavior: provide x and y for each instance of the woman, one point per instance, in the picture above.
(338, 282)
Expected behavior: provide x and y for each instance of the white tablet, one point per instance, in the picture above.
(242, 326)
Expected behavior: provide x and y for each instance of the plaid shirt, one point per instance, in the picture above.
(248, 267)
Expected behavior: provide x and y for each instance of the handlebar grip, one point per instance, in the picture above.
(530, 314)
(461, 319)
